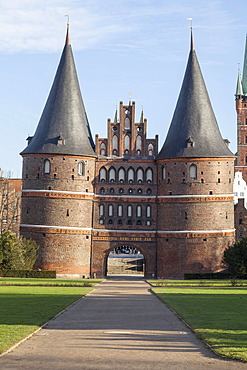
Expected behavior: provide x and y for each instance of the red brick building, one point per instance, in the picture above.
(81, 201)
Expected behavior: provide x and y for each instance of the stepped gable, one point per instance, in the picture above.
(63, 127)
(194, 131)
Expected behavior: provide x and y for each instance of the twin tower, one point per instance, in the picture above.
(81, 200)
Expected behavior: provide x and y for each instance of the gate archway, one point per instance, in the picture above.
(125, 260)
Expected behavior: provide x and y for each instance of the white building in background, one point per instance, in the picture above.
(239, 188)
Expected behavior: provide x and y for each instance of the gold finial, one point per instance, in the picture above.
(67, 41)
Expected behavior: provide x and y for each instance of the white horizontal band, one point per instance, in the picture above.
(128, 195)
(129, 231)
(56, 191)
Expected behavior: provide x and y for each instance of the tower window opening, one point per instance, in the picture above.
(67, 213)
(102, 149)
(140, 175)
(230, 180)
(102, 174)
(110, 210)
(120, 211)
(202, 181)
(114, 142)
(138, 211)
(129, 211)
(170, 192)
(129, 222)
(47, 166)
(112, 175)
(139, 191)
(110, 222)
(130, 175)
(138, 222)
(55, 175)
(226, 215)
(193, 172)
(218, 172)
(218, 181)
(73, 177)
(120, 222)
(127, 143)
(121, 175)
(127, 123)
(149, 175)
(81, 168)
(101, 210)
(163, 172)
(148, 222)
(185, 216)
(210, 193)
(150, 149)
(130, 191)
(149, 191)
(112, 191)
(121, 191)
(148, 211)
(102, 191)
(139, 143)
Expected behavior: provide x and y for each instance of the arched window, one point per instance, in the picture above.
(102, 191)
(102, 149)
(193, 172)
(114, 142)
(112, 174)
(102, 174)
(47, 166)
(149, 175)
(121, 175)
(81, 168)
(126, 142)
(120, 210)
(127, 123)
(101, 210)
(163, 172)
(140, 175)
(129, 211)
(110, 210)
(148, 211)
(139, 143)
(150, 149)
(131, 175)
(138, 211)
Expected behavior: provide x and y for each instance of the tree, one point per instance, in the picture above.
(17, 253)
(236, 257)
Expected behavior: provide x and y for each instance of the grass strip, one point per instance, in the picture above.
(25, 309)
(197, 283)
(48, 282)
(218, 316)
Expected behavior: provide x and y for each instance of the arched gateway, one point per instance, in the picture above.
(125, 260)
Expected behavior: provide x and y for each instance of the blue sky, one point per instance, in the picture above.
(120, 47)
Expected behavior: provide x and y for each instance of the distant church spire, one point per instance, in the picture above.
(194, 131)
(63, 127)
(244, 77)
(239, 88)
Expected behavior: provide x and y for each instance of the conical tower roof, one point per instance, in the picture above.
(194, 131)
(239, 88)
(63, 127)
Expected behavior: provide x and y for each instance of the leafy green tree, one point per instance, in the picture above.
(236, 257)
(16, 253)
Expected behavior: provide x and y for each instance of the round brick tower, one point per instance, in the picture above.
(58, 174)
(195, 194)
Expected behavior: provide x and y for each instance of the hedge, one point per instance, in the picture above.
(43, 274)
(211, 275)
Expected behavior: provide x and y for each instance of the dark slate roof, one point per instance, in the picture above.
(244, 80)
(63, 127)
(194, 131)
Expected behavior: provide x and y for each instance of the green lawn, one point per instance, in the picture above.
(48, 282)
(23, 309)
(218, 315)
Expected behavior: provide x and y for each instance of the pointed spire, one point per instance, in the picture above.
(239, 89)
(191, 39)
(142, 116)
(194, 131)
(244, 78)
(115, 118)
(64, 115)
(67, 40)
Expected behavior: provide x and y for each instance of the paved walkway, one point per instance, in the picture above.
(120, 325)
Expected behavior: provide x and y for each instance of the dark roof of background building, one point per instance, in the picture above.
(194, 131)
(63, 127)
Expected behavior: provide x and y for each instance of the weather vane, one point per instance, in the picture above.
(190, 19)
(66, 15)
